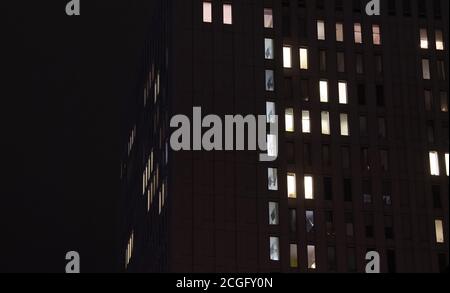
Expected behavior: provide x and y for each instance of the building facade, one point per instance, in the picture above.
(363, 140)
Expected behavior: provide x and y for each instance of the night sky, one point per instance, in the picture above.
(62, 81)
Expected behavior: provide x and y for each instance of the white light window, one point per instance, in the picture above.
(358, 33)
(426, 69)
(273, 214)
(323, 88)
(434, 163)
(439, 228)
(309, 187)
(268, 18)
(446, 164)
(272, 179)
(268, 49)
(344, 125)
(339, 32)
(343, 92)
(207, 12)
(270, 82)
(325, 115)
(306, 122)
(270, 112)
(303, 58)
(289, 119)
(376, 34)
(274, 248)
(227, 14)
(287, 57)
(311, 257)
(439, 40)
(293, 256)
(272, 145)
(291, 185)
(423, 38)
(320, 30)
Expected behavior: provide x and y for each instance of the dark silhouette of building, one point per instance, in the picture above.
(363, 138)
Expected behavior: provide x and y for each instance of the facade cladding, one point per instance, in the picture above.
(363, 138)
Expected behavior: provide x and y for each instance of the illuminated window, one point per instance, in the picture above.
(306, 122)
(309, 221)
(270, 82)
(303, 58)
(287, 57)
(311, 257)
(358, 33)
(439, 40)
(325, 122)
(272, 145)
(272, 179)
(439, 229)
(227, 14)
(268, 49)
(309, 188)
(423, 39)
(426, 69)
(320, 30)
(343, 93)
(207, 12)
(289, 119)
(273, 213)
(344, 125)
(268, 18)
(376, 34)
(274, 248)
(444, 102)
(434, 163)
(323, 88)
(270, 112)
(293, 256)
(291, 185)
(339, 32)
(446, 164)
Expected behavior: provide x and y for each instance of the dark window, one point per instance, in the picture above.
(357, 6)
(379, 64)
(320, 4)
(288, 87)
(286, 23)
(443, 264)
(301, 3)
(430, 131)
(407, 7)
(351, 260)
(436, 191)
(326, 156)
(331, 258)
(422, 7)
(307, 155)
(363, 126)
(369, 230)
(346, 157)
(384, 160)
(392, 7)
(361, 94)
(290, 147)
(437, 9)
(428, 96)
(391, 262)
(367, 191)
(293, 220)
(302, 28)
(328, 188)
(359, 64)
(304, 88)
(349, 227)
(386, 193)
(382, 129)
(380, 95)
(329, 219)
(348, 194)
(339, 5)
(323, 60)
(340, 62)
(389, 227)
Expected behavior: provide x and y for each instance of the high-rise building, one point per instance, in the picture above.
(363, 138)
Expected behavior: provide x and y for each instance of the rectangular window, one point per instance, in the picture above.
(273, 213)
(303, 58)
(439, 40)
(207, 12)
(439, 229)
(328, 188)
(359, 64)
(268, 49)
(348, 194)
(293, 256)
(351, 254)
(363, 125)
(376, 34)
(384, 160)
(428, 100)
(309, 221)
(345, 157)
(272, 178)
(343, 93)
(309, 188)
(367, 191)
(446, 164)
(268, 18)
(323, 88)
(379, 64)
(289, 120)
(292, 185)
(287, 57)
(444, 102)
(227, 14)
(339, 32)
(274, 248)
(270, 112)
(323, 60)
(331, 258)
(382, 129)
(306, 122)
(434, 163)
(292, 220)
(426, 69)
(325, 123)
(311, 257)
(441, 69)
(349, 228)
(270, 81)
(344, 125)
(340, 62)
(423, 38)
(326, 156)
(358, 33)
(320, 30)
(307, 158)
